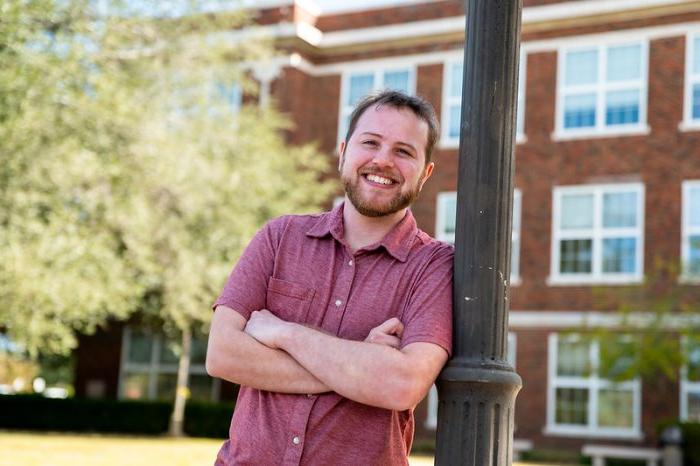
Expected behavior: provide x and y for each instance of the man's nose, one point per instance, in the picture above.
(383, 157)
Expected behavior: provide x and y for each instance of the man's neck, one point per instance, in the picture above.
(361, 230)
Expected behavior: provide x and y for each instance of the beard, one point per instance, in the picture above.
(371, 208)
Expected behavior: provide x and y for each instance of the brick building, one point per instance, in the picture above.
(607, 182)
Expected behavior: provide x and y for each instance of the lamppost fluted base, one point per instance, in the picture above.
(475, 414)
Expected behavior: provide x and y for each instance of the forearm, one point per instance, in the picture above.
(368, 373)
(250, 363)
(237, 357)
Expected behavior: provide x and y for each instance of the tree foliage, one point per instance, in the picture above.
(126, 180)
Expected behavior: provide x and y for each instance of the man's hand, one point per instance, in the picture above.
(388, 333)
(265, 327)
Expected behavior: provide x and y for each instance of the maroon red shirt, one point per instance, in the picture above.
(301, 269)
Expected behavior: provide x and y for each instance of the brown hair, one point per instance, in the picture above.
(398, 100)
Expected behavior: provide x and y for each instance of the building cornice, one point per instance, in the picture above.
(560, 16)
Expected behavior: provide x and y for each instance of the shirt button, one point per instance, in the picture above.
(296, 440)
(338, 302)
(350, 263)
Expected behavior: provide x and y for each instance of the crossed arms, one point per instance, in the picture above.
(271, 354)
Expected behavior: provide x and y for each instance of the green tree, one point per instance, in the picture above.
(656, 322)
(127, 181)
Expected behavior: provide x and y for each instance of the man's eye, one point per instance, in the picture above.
(370, 143)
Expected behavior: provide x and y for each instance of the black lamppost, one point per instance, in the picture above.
(477, 388)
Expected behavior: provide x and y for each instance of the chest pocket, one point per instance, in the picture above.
(289, 301)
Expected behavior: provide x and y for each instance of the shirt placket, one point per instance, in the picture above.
(341, 293)
(296, 436)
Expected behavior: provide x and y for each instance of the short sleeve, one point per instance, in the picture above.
(428, 315)
(246, 288)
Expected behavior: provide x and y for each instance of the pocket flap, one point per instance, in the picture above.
(294, 290)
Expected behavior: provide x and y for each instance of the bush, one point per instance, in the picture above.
(691, 443)
(34, 412)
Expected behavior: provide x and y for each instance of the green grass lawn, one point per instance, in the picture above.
(58, 449)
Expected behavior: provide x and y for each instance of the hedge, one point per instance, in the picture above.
(691, 443)
(34, 412)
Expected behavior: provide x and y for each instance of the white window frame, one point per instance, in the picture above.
(600, 89)
(593, 384)
(440, 234)
(346, 109)
(432, 409)
(688, 123)
(686, 231)
(686, 387)
(597, 233)
(448, 142)
(154, 367)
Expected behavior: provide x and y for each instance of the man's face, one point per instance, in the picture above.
(382, 166)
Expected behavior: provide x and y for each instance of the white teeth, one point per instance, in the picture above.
(379, 179)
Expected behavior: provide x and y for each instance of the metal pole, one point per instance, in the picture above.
(477, 388)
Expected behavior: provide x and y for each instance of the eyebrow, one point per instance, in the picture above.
(369, 133)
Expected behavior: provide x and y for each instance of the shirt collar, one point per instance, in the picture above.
(397, 242)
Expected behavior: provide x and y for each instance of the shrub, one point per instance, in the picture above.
(34, 412)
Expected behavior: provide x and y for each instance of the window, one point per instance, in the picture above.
(690, 241)
(597, 234)
(690, 383)
(602, 90)
(445, 227)
(452, 103)
(691, 112)
(357, 85)
(580, 400)
(149, 368)
(431, 419)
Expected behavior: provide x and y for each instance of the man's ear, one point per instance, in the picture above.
(341, 154)
(427, 171)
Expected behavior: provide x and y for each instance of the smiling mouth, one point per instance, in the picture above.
(378, 179)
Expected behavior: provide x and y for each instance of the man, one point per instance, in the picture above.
(336, 325)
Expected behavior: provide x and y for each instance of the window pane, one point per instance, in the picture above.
(167, 355)
(694, 207)
(575, 256)
(694, 406)
(615, 408)
(619, 255)
(198, 352)
(456, 80)
(360, 86)
(449, 214)
(624, 63)
(136, 386)
(455, 115)
(696, 55)
(573, 358)
(693, 266)
(165, 386)
(200, 387)
(397, 80)
(693, 369)
(622, 108)
(514, 258)
(579, 111)
(576, 211)
(619, 210)
(696, 101)
(140, 347)
(581, 67)
(571, 406)
(617, 358)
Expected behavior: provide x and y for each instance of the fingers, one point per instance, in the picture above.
(384, 339)
(392, 326)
